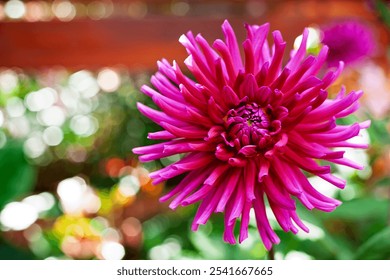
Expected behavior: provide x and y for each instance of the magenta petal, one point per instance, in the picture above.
(267, 234)
(213, 199)
(230, 184)
(276, 63)
(189, 178)
(264, 167)
(283, 217)
(232, 44)
(190, 186)
(277, 194)
(245, 221)
(161, 135)
(300, 53)
(298, 221)
(250, 179)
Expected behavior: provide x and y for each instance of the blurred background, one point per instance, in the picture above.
(70, 73)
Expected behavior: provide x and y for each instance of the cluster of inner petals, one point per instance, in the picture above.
(249, 130)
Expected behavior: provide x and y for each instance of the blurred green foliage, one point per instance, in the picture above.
(17, 176)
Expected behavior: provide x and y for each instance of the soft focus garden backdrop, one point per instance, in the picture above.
(70, 188)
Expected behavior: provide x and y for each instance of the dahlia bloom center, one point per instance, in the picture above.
(249, 118)
(250, 130)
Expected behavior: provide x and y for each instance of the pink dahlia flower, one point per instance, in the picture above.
(350, 41)
(249, 130)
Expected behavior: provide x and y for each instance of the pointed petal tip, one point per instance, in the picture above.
(275, 239)
(194, 227)
(342, 185)
(173, 206)
(306, 31)
(266, 25)
(226, 23)
(164, 198)
(278, 38)
(156, 179)
(366, 124)
(230, 240)
(325, 48)
(137, 150)
(360, 167)
(268, 246)
(183, 39)
(242, 238)
(293, 229)
(144, 158)
(154, 174)
(143, 108)
(144, 88)
(139, 104)
(341, 65)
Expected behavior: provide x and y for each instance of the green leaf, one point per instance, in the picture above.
(377, 247)
(361, 209)
(17, 176)
(334, 243)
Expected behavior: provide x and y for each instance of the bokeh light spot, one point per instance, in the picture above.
(8, 81)
(14, 9)
(112, 250)
(18, 215)
(129, 186)
(34, 146)
(53, 115)
(41, 99)
(84, 125)
(53, 136)
(19, 127)
(64, 10)
(41, 202)
(114, 166)
(15, 107)
(71, 192)
(84, 82)
(108, 80)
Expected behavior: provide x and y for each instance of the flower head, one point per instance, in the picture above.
(248, 129)
(349, 41)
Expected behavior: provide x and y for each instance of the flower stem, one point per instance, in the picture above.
(271, 254)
